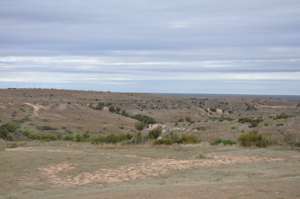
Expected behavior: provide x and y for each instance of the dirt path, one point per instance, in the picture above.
(36, 108)
(148, 168)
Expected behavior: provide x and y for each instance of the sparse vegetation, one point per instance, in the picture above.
(111, 139)
(174, 138)
(253, 122)
(253, 139)
(155, 133)
(223, 141)
(8, 129)
(139, 125)
(46, 128)
(144, 118)
(281, 116)
(40, 136)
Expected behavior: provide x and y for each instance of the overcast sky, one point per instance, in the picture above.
(194, 46)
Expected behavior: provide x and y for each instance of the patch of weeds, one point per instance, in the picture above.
(281, 116)
(46, 128)
(223, 141)
(40, 136)
(253, 139)
(111, 139)
(144, 118)
(253, 122)
(174, 138)
(68, 137)
(138, 138)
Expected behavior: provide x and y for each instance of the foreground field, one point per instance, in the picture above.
(76, 170)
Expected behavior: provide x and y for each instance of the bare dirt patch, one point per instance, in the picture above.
(36, 108)
(148, 168)
(34, 149)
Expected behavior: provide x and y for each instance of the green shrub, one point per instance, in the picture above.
(174, 138)
(224, 142)
(68, 137)
(40, 136)
(253, 139)
(78, 138)
(111, 138)
(6, 130)
(155, 133)
(188, 139)
(144, 118)
(139, 125)
(124, 113)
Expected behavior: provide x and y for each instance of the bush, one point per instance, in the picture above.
(144, 118)
(68, 137)
(78, 138)
(100, 105)
(155, 133)
(224, 142)
(177, 139)
(281, 116)
(112, 109)
(40, 136)
(6, 130)
(188, 139)
(111, 139)
(124, 113)
(140, 125)
(253, 139)
(252, 121)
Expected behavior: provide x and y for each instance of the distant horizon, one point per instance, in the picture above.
(159, 93)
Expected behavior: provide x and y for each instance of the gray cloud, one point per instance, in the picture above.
(92, 40)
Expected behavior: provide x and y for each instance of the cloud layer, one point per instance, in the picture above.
(171, 44)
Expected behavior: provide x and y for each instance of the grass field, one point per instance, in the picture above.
(80, 170)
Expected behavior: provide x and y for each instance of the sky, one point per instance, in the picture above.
(168, 46)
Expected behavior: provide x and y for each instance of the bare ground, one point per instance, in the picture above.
(60, 170)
